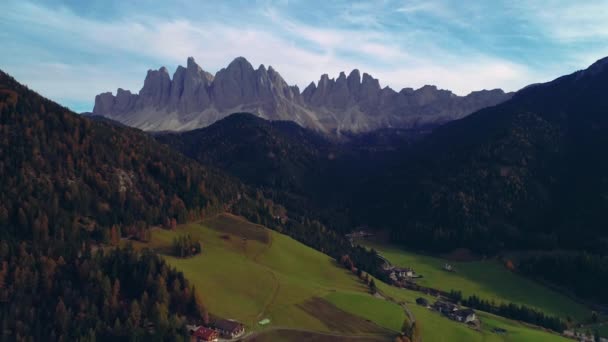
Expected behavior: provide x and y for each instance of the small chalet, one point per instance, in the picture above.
(205, 334)
(229, 328)
(448, 267)
(464, 316)
(397, 274)
(444, 307)
(404, 272)
(422, 302)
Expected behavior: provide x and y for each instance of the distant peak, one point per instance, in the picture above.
(191, 64)
(240, 61)
(355, 74)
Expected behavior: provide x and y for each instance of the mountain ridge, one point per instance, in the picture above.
(194, 98)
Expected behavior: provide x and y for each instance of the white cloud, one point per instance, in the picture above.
(573, 21)
(299, 51)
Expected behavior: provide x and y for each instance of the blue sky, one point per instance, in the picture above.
(71, 50)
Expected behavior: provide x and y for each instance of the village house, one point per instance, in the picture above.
(398, 274)
(444, 307)
(229, 328)
(448, 267)
(463, 316)
(404, 272)
(204, 334)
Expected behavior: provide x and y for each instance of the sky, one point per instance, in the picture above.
(71, 50)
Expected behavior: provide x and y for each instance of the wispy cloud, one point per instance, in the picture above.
(71, 57)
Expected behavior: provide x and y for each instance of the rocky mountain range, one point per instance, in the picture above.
(194, 98)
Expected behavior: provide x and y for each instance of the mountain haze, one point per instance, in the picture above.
(194, 98)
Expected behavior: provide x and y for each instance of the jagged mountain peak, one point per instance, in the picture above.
(194, 98)
(240, 63)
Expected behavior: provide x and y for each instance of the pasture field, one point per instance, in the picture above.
(248, 273)
(435, 327)
(379, 311)
(487, 279)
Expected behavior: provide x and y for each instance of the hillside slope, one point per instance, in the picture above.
(529, 173)
(69, 186)
(64, 176)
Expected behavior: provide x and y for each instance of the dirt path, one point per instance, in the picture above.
(407, 311)
(277, 288)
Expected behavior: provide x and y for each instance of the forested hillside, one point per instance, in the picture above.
(307, 173)
(65, 177)
(68, 186)
(529, 173)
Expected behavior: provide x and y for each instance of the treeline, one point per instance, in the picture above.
(95, 296)
(313, 234)
(185, 246)
(586, 275)
(512, 311)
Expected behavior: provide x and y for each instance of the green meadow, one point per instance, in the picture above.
(249, 273)
(435, 327)
(487, 279)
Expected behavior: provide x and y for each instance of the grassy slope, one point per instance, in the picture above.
(382, 312)
(268, 278)
(274, 277)
(438, 328)
(486, 279)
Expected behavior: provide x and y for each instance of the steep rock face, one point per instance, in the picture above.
(194, 98)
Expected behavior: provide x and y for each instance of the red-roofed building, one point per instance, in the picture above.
(205, 334)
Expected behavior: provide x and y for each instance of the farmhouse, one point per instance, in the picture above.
(463, 316)
(229, 328)
(205, 334)
(397, 273)
(404, 272)
(444, 307)
(448, 267)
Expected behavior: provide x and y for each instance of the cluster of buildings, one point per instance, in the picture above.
(221, 328)
(452, 311)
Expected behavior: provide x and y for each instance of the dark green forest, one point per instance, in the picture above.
(116, 294)
(71, 186)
